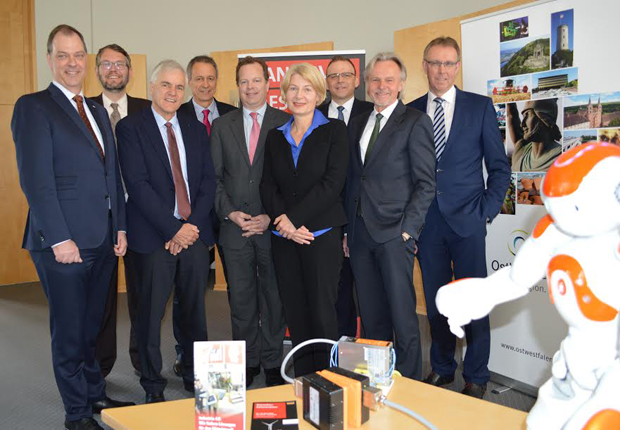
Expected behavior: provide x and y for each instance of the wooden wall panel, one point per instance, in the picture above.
(409, 44)
(137, 86)
(17, 77)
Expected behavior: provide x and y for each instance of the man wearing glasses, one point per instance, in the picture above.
(452, 243)
(342, 80)
(113, 67)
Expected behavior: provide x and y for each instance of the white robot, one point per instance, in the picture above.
(578, 246)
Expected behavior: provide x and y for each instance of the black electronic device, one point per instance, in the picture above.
(323, 403)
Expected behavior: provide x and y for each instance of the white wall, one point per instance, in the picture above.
(184, 28)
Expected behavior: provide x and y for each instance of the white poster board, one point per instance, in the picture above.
(526, 333)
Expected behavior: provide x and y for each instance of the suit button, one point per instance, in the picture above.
(439, 170)
(106, 197)
(355, 199)
(438, 192)
(251, 181)
(295, 174)
(294, 194)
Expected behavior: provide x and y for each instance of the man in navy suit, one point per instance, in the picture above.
(113, 68)
(166, 163)
(453, 241)
(390, 185)
(76, 224)
(202, 76)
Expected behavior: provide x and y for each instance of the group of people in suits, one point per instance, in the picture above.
(299, 204)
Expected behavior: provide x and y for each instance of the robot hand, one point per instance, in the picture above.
(469, 299)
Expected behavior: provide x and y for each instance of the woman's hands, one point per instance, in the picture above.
(285, 227)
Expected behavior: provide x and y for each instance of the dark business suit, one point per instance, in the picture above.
(346, 309)
(255, 307)
(151, 223)
(73, 194)
(453, 240)
(106, 341)
(387, 195)
(310, 195)
(188, 108)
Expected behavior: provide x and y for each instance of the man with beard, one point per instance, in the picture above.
(113, 67)
(535, 136)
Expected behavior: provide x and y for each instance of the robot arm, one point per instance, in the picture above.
(465, 300)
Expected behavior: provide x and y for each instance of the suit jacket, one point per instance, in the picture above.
(222, 108)
(311, 193)
(463, 199)
(396, 185)
(359, 107)
(237, 180)
(134, 104)
(148, 177)
(70, 189)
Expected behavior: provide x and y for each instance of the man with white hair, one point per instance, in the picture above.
(390, 186)
(166, 164)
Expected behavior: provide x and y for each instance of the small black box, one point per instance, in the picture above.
(323, 403)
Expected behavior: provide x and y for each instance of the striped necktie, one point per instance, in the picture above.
(439, 128)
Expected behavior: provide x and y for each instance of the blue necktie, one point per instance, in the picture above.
(340, 114)
(439, 128)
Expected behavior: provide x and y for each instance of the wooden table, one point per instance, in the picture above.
(444, 408)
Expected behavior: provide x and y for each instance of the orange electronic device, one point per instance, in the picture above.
(353, 396)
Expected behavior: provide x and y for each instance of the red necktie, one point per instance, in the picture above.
(177, 175)
(205, 121)
(254, 133)
(80, 106)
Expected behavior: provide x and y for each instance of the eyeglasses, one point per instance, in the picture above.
(344, 75)
(119, 65)
(438, 64)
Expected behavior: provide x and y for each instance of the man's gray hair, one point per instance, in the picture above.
(165, 65)
(386, 56)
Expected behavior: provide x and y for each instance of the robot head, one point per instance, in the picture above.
(581, 190)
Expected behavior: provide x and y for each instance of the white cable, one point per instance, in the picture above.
(297, 348)
(412, 414)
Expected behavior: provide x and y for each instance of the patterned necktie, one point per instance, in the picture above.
(374, 135)
(439, 128)
(205, 120)
(340, 113)
(254, 133)
(79, 100)
(177, 175)
(115, 117)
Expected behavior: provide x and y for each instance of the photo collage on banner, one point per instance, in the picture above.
(535, 95)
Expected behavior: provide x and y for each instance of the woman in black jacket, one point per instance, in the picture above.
(305, 169)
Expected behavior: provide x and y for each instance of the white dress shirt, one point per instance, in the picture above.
(89, 115)
(161, 125)
(448, 107)
(122, 105)
(370, 125)
(213, 112)
(332, 111)
(248, 122)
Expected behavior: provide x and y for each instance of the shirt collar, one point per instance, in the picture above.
(199, 109)
(260, 111)
(317, 120)
(385, 112)
(348, 105)
(449, 96)
(161, 121)
(122, 102)
(66, 92)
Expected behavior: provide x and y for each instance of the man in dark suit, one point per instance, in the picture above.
(390, 185)
(113, 68)
(342, 80)
(169, 176)
(202, 75)
(453, 240)
(76, 224)
(238, 148)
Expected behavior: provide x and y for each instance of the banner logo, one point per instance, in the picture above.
(515, 240)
